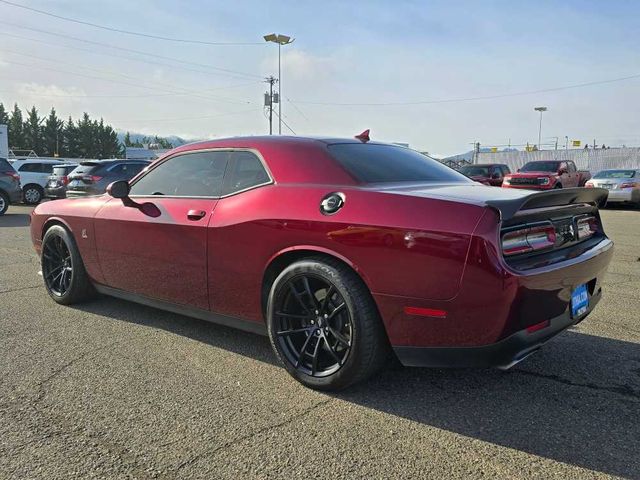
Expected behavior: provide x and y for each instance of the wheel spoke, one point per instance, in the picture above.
(292, 315)
(331, 350)
(303, 349)
(314, 360)
(54, 270)
(294, 330)
(340, 337)
(337, 310)
(298, 298)
(327, 299)
(312, 297)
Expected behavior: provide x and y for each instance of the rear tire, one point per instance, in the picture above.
(65, 277)
(32, 194)
(4, 203)
(324, 325)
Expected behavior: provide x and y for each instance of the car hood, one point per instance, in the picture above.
(531, 174)
(506, 200)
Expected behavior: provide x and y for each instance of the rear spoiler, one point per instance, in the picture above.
(551, 198)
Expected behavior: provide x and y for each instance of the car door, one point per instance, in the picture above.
(573, 174)
(159, 250)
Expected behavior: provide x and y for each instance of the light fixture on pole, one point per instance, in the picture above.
(540, 109)
(280, 40)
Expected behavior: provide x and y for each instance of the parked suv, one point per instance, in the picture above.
(57, 183)
(10, 191)
(93, 177)
(34, 174)
(488, 173)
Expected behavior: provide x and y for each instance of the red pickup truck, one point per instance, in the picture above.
(546, 175)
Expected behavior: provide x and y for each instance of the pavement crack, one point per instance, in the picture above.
(251, 435)
(21, 288)
(41, 386)
(624, 390)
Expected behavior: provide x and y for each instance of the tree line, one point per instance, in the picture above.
(51, 136)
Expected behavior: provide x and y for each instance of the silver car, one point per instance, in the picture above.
(623, 185)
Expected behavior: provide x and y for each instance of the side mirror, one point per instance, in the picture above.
(119, 189)
(562, 171)
(518, 170)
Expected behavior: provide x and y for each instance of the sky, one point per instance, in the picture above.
(410, 71)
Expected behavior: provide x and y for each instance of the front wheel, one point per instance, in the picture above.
(558, 185)
(4, 203)
(63, 272)
(324, 325)
(32, 194)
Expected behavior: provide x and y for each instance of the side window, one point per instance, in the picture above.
(117, 169)
(197, 174)
(506, 170)
(28, 167)
(572, 167)
(134, 168)
(46, 168)
(563, 166)
(496, 171)
(245, 171)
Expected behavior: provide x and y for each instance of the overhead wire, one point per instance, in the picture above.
(127, 32)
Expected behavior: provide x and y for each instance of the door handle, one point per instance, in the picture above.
(196, 214)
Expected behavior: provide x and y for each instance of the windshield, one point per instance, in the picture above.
(475, 171)
(62, 170)
(372, 163)
(616, 174)
(540, 167)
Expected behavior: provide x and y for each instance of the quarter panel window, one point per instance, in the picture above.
(245, 171)
(197, 174)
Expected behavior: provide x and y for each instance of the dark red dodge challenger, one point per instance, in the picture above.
(341, 251)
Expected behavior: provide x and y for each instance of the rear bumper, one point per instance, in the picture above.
(15, 196)
(627, 195)
(59, 192)
(503, 354)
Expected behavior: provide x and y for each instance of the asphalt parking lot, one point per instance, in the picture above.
(110, 389)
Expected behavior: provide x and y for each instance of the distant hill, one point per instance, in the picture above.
(173, 139)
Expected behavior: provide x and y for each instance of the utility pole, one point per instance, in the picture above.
(541, 110)
(280, 40)
(269, 100)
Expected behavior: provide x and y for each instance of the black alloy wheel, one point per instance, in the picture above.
(63, 271)
(57, 268)
(313, 326)
(324, 325)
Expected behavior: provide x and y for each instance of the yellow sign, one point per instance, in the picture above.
(494, 149)
(575, 143)
(529, 148)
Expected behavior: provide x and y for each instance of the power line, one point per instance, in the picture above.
(170, 119)
(285, 123)
(469, 99)
(137, 52)
(133, 59)
(128, 32)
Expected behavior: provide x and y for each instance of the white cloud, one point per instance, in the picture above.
(33, 89)
(300, 65)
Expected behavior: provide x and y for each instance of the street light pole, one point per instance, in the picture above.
(280, 40)
(540, 109)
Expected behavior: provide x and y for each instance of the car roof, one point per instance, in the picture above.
(39, 160)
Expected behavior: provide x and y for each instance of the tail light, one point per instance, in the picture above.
(587, 227)
(629, 185)
(13, 175)
(529, 239)
(91, 178)
(588, 185)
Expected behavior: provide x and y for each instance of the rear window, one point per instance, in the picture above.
(371, 163)
(616, 174)
(5, 166)
(540, 167)
(62, 170)
(87, 168)
(475, 171)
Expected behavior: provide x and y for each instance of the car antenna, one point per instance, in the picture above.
(364, 136)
